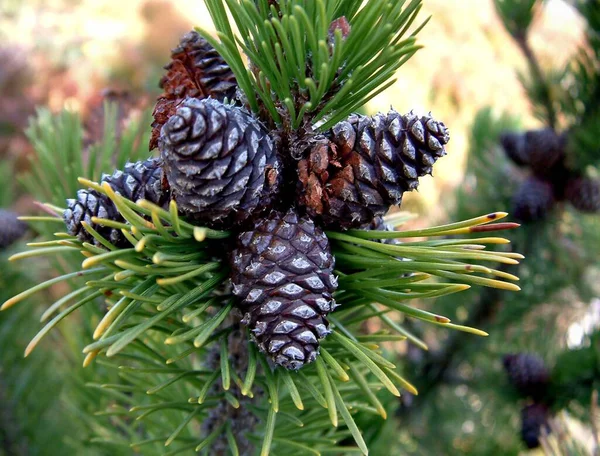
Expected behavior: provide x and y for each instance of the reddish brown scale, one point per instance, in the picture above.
(362, 166)
(196, 70)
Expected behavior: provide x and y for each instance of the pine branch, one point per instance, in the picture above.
(540, 81)
(304, 67)
(153, 297)
(173, 289)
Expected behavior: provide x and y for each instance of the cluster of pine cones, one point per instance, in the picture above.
(528, 374)
(276, 190)
(543, 152)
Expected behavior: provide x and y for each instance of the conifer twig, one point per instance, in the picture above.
(540, 79)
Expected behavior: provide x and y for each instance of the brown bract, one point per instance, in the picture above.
(196, 70)
(313, 173)
(356, 170)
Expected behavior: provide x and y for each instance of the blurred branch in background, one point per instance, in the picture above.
(547, 178)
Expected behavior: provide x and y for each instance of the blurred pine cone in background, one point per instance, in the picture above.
(584, 194)
(534, 421)
(528, 373)
(11, 228)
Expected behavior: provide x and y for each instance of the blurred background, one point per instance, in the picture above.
(475, 76)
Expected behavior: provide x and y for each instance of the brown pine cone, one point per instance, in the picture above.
(363, 165)
(196, 71)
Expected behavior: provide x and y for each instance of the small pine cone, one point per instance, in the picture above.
(534, 420)
(282, 273)
(533, 200)
(11, 228)
(140, 180)
(220, 163)
(584, 194)
(527, 373)
(515, 148)
(363, 165)
(196, 70)
(545, 149)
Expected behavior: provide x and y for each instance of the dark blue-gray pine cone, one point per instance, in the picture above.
(528, 373)
(515, 147)
(534, 420)
(541, 150)
(221, 164)
(140, 180)
(545, 148)
(533, 200)
(282, 272)
(584, 193)
(11, 228)
(363, 165)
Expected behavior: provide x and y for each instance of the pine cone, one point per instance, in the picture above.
(545, 149)
(282, 273)
(363, 165)
(534, 420)
(533, 200)
(527, 373)
(141, 180)
(196, 71)
(11, 228)
(584, 194)
(220, 163)
(515, 148)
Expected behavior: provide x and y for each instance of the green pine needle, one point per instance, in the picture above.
(304, 63)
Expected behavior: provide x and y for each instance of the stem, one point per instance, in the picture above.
(240, 420)
(538, 75)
